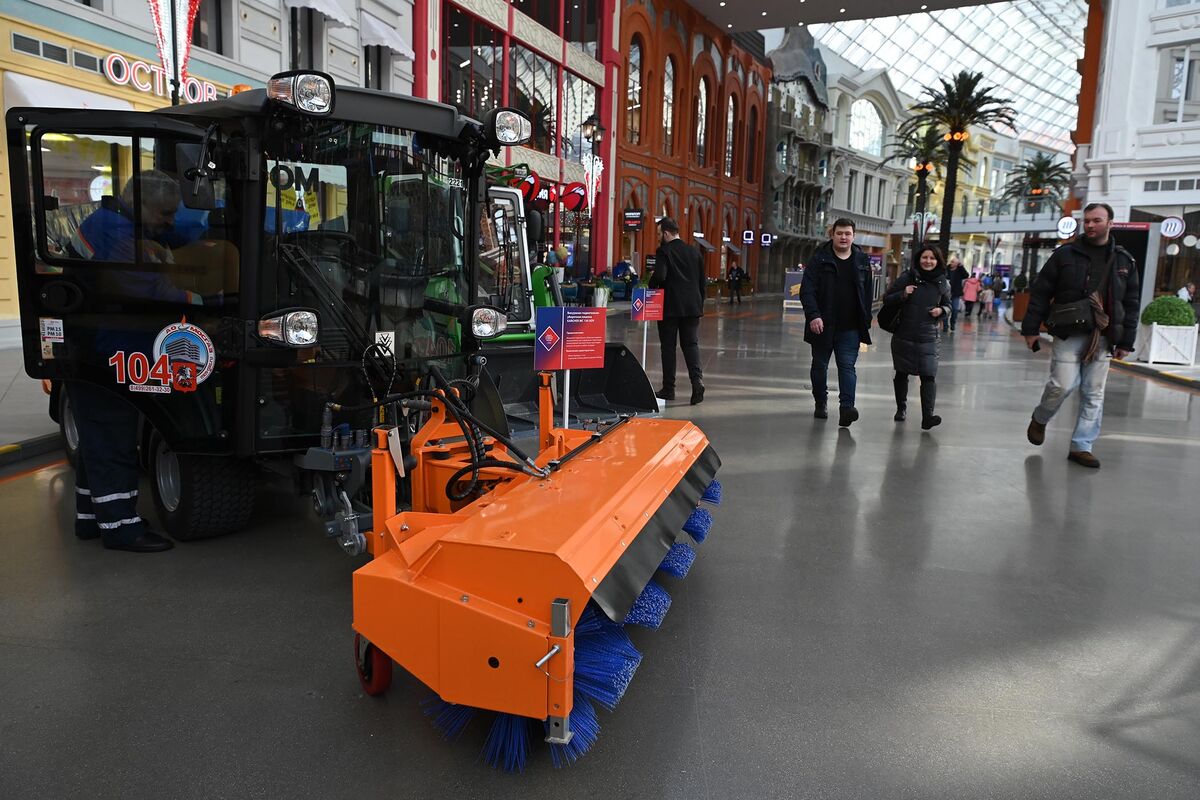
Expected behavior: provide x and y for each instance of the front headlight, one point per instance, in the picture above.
(293, 328)
(310, 92)
(488, 323)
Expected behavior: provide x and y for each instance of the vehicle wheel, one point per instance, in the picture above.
(198, 497)
(374, 666)
(66, 426)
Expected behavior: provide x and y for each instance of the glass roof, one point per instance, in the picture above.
(1028, 48)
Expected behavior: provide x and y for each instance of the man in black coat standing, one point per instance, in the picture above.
(837, 305)
(679, 270)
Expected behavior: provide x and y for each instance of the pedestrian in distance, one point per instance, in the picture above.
(837, 306)
(986, 297)
(971, 288)
(957, 275)
(679, 269)
(1088, 295)
(736, 276)
(923, 294)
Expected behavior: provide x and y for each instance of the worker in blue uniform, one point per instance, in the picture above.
(107, 473)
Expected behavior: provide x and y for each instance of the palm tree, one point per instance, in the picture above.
(924, 146)
(1039, 179)
(960, 104)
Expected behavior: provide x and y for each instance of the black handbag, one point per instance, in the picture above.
(1076, 317)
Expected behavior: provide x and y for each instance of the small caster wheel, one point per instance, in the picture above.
(374, 667)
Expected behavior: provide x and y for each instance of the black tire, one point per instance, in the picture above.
(210, 495)
(67, 429)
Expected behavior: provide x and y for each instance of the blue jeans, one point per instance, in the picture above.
(845, 352)
(1067, 371)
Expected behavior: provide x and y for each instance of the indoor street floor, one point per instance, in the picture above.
(878, 613)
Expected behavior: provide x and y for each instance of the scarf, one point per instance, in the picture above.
(1100, 322)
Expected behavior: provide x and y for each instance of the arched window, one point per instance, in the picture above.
(751, 144)
(669, 107)
(866, 128)
(702, 123)
(730, 135)
(633, 94)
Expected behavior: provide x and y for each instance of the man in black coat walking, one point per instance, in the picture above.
(957, 274)
(837, 305)
(679, 270)
(1094, 269)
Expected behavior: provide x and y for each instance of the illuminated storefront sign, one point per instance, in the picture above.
(153, 79)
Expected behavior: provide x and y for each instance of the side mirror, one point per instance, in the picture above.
(535, 226)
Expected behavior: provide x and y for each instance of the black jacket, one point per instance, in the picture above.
(915, 342)
(1064, 279)
(819, 293)
(957, 276)
(680, 270)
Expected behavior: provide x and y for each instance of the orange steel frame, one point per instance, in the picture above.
(460, 595)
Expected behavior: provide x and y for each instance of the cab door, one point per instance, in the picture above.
(126, 272)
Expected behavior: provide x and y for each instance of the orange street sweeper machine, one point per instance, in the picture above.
(507, 586)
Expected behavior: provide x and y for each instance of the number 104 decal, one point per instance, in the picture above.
(181, 361)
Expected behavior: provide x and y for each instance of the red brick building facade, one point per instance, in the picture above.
(691, 115)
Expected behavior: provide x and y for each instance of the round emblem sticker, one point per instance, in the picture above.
(1172, 227)
(1067, 227)
(189, 352)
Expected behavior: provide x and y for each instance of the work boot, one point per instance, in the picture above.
(1084, 459)
(1036, 432)
(145, 542)
(697, 393)
(665, 393)
(847, 415)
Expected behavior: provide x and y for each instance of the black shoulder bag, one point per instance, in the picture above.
(1065, 319)
(889, 315)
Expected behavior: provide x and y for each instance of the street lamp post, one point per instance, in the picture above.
(593, 132)
(922, 171)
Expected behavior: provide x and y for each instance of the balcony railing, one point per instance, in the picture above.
(994, 211)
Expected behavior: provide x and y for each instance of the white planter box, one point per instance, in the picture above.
(1167, 344)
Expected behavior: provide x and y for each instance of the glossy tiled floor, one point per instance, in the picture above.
(879, 613)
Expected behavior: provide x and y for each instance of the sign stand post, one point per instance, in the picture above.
(647, 306)
(566, 399)
(566, 339)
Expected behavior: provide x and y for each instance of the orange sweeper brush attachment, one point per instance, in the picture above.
(515, 600)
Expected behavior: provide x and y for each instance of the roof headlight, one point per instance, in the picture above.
(310, 92)
(508, 127)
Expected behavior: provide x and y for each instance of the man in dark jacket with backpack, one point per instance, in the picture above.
(679, 270)
(1088, 294)
(837, 306)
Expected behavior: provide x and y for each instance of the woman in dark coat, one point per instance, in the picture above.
(923, 293)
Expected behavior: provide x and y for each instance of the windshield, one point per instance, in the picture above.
(365, 224)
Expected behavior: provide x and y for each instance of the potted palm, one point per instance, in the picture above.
(1020, 298)
(1168, 332)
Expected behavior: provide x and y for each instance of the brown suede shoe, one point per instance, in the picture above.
(1036, 432)
(1084, 459)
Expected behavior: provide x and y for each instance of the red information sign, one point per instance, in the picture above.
(647, 304)
(570, 338)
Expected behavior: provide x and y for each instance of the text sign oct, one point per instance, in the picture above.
(569, 338)
(647, 304)
(632, 219)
